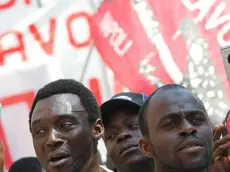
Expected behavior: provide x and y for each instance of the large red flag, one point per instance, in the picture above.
(148, 43)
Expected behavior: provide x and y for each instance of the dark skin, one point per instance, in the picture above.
(121, 131)
(220, 151)
(176, 118)
(60, 125)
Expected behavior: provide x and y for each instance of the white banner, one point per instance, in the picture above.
(17, 89)
(14, 11)
(56, 41)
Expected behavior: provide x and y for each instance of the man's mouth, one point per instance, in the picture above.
(128, 148)
(58, 159)
(191, 146)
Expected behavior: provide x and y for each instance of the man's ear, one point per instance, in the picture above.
(146, 147)
(98, 129)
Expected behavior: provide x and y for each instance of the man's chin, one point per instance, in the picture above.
(62, 168)
(134, 160)
(201, 160)
(195, 166)
(58, 170)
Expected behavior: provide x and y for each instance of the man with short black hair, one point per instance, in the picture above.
(122, 132)
(65, 123)
(176, 130)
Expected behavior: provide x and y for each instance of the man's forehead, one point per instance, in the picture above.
(64, 100)
(174, 101)
(59, 104)
(120, 118)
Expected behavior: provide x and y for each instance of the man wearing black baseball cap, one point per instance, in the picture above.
(122, 132)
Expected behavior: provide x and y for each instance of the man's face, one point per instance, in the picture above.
(122, 134)
(61, 133)
(179, 128)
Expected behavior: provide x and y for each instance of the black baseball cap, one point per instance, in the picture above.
(119, 101)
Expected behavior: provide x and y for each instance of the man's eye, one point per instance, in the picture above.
(198, 120)
(134, 126)
(39, 132)
(169, 125)
(111, 137)
(66, 126)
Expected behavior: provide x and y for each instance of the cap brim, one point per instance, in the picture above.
(113, 105)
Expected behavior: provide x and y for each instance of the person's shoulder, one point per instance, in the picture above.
(104, 169)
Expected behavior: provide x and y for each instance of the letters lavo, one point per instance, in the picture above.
(47, 44)
(213, 19)
(213, 14)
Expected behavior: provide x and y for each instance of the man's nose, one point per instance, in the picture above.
(54, 139)
(187, 128)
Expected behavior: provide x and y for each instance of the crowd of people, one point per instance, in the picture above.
(168, 131)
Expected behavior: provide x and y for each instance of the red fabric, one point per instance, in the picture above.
(123, 20)
(125, 66)
(228, 125)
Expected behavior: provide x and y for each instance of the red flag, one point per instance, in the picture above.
(125, 51)
(150, 42)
